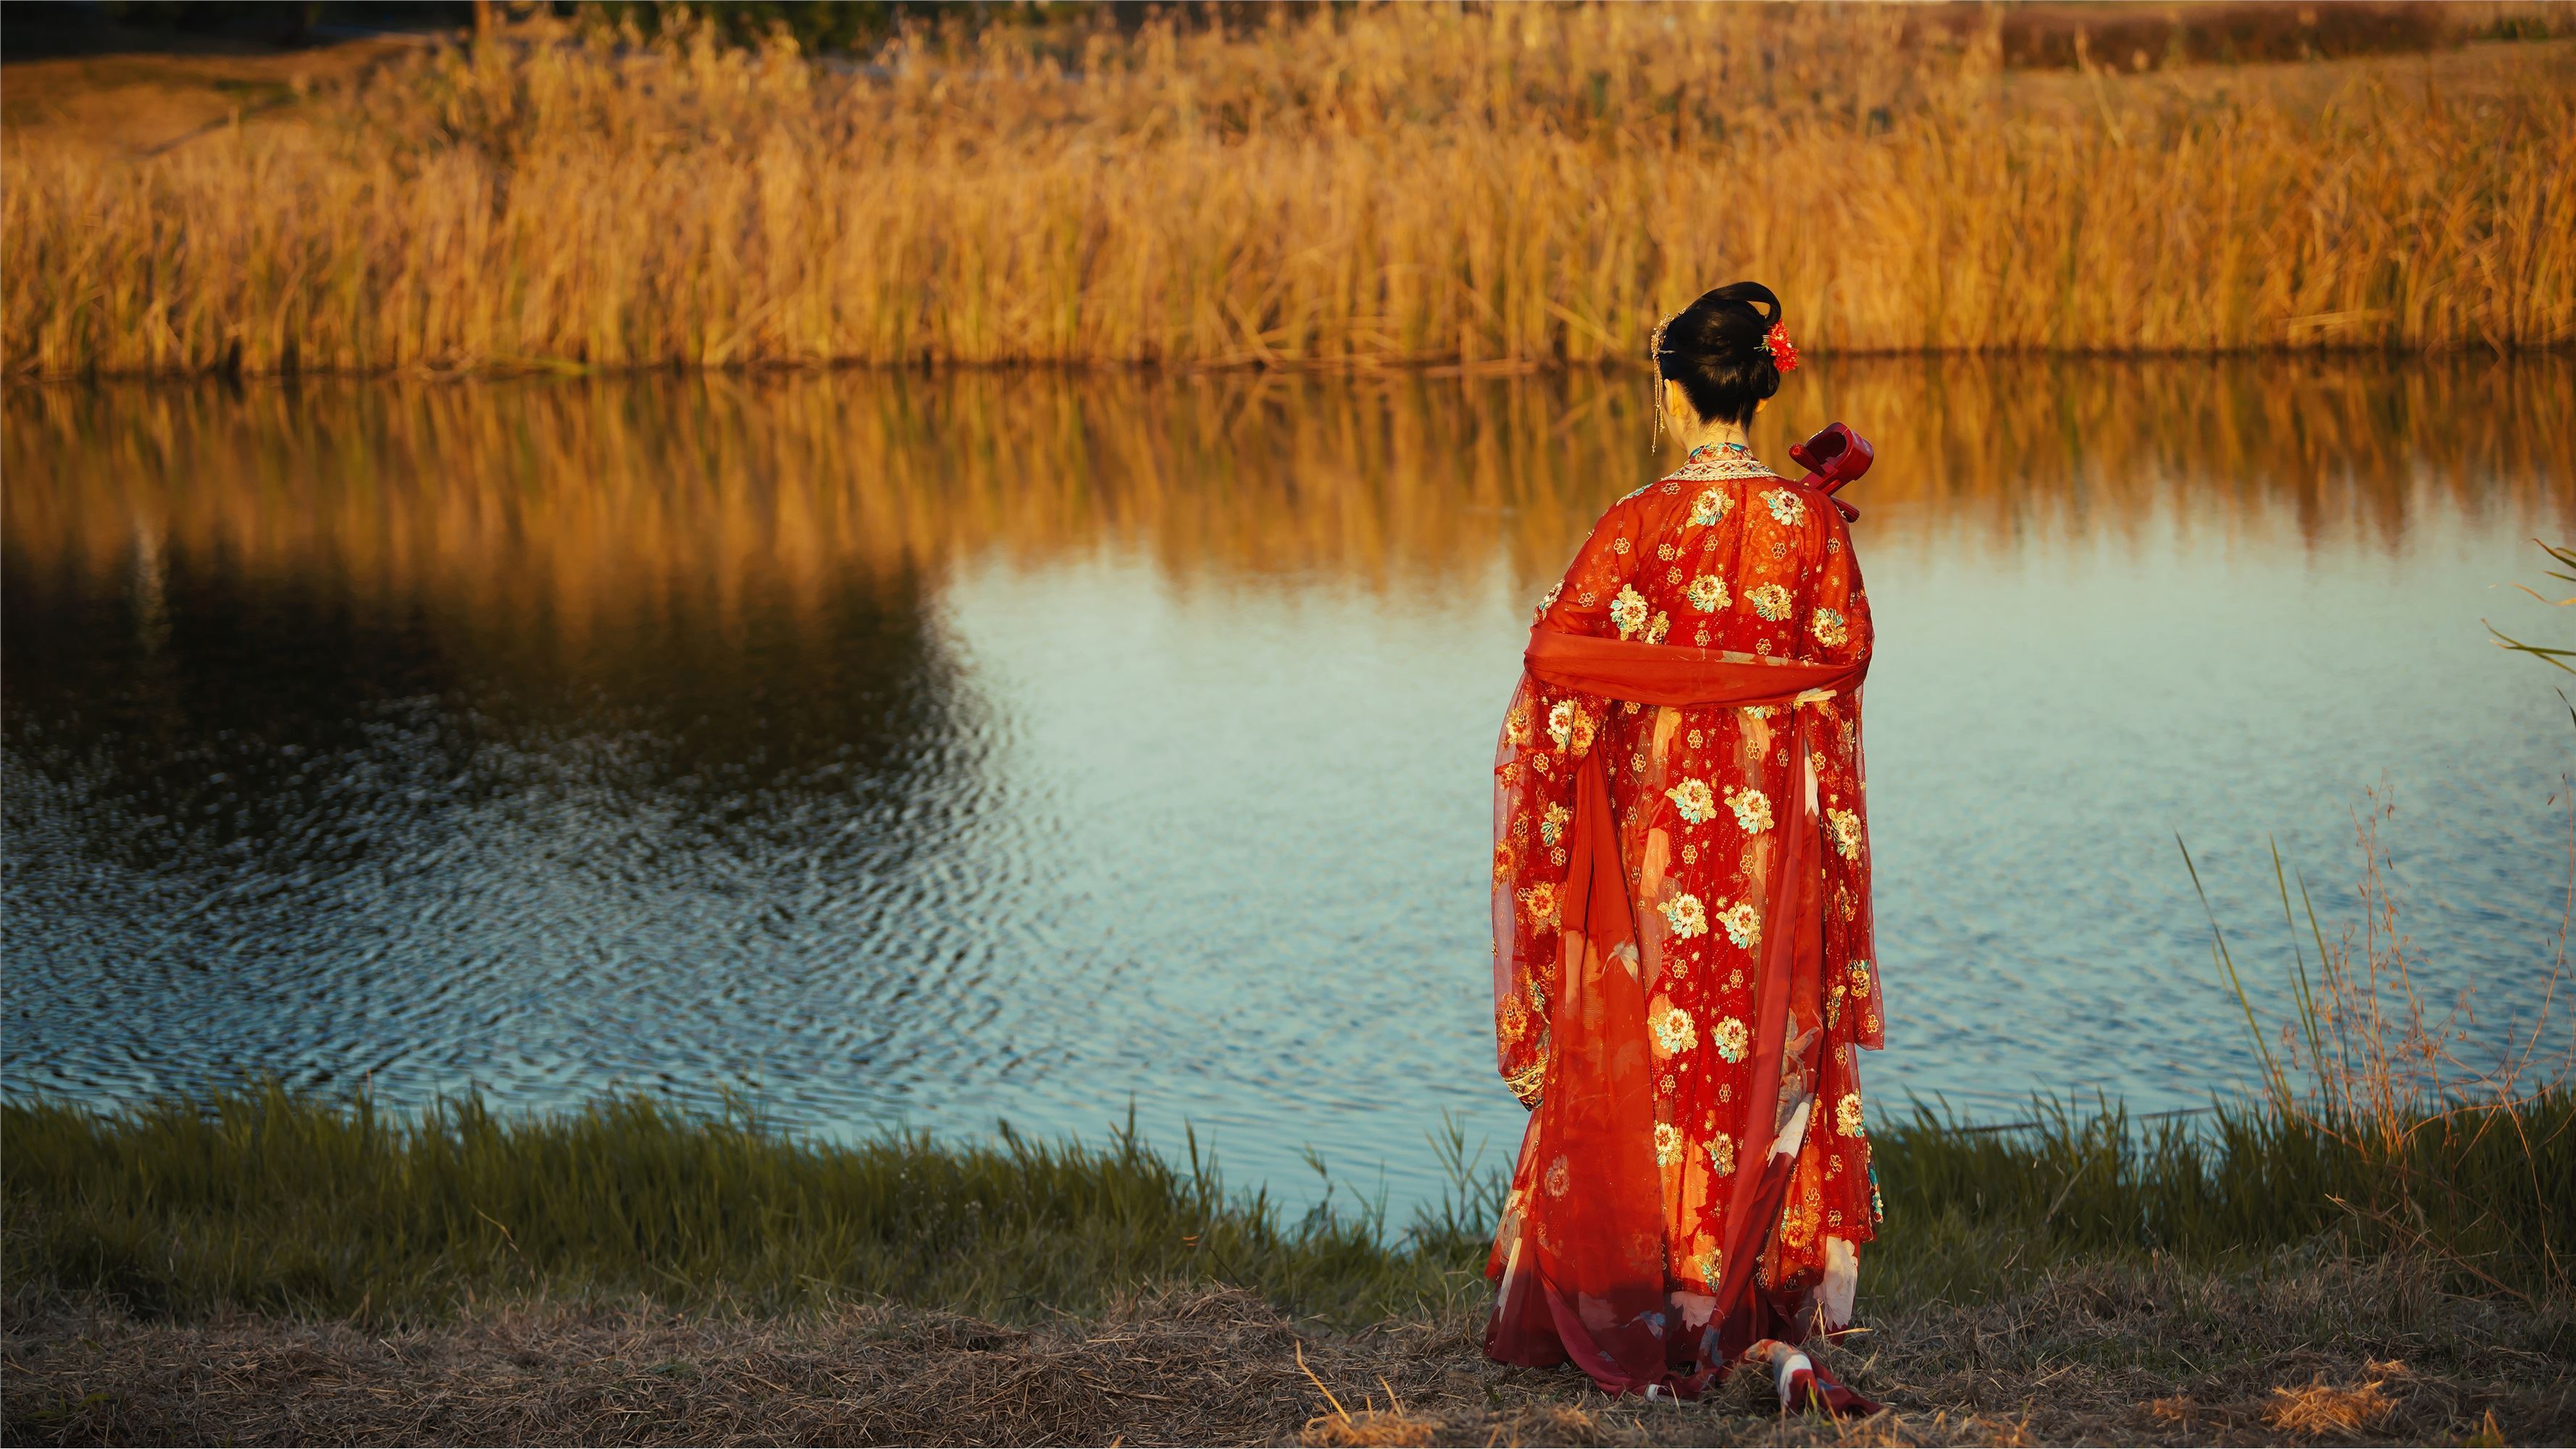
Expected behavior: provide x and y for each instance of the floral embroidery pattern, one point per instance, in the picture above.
(1752, 809)
(1540, 901)
(1708, 508)
(1723, 463)
(1743, 923)
(1552, 824)
(1846, 1115)
(1628, 611)
(1692, 801)
(1784, 505)
(1668, 1144)
(1860, 978)
(1686, 916)
(1707, 593)
(1771, 601)
(1846, 828)
(1798, 1221)
(1559, 1178)
(1655, 631)
(1829, 628)
(1731, 1039)
(1673, 1031)
(1570, 727)
(1721, 1160)
(1549, 602)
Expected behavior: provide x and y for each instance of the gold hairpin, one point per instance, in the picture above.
(1655, 356)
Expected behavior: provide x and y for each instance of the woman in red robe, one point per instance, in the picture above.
(1682, 962)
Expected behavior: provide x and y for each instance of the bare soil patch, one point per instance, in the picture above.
(2130, 1353)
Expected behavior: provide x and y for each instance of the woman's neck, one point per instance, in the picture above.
(1730, 436)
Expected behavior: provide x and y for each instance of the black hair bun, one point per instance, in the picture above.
(1718, 348)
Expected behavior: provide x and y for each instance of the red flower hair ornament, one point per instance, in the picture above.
(1784, 354)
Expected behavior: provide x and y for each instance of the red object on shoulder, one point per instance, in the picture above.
(1833, 458)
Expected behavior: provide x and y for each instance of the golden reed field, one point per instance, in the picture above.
(1501, 186)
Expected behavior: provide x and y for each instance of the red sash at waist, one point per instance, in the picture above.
(1671, 674)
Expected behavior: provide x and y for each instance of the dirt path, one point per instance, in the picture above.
(136, 106)
(2132, 1354)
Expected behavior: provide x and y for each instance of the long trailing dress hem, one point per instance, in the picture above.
(1684, 1193)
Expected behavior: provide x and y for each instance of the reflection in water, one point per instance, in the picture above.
(588, 501)
(942, 748)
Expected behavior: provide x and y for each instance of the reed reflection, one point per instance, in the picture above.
(240, 711)
(339, 749)
(562, 512)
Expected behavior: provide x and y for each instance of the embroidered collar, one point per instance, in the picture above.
(1717, 461)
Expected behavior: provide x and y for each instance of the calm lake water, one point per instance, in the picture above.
(929, 751)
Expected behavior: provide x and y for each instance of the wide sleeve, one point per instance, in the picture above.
(1839, 632)
(1846, 1200)
(1546, 730)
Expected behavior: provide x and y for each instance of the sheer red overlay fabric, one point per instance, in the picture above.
(1682, 938)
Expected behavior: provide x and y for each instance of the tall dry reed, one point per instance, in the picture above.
(2465, 1130)
(1401, 185)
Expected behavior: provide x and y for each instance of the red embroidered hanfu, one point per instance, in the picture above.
(1682, 958)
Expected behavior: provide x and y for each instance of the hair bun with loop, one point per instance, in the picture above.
(1726, 351)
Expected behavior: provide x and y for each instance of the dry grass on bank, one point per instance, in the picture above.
(2141, 1353)
(1509, 186)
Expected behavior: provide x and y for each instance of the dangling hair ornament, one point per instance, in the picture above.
(1784, 354)
(1655, 354)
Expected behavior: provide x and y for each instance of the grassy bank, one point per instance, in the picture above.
(263, 1267)
(268, 1201)
(1512, 186)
